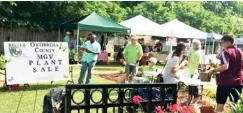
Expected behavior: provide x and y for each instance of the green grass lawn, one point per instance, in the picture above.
(9, 99)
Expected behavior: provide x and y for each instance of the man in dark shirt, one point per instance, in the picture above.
(231, 77)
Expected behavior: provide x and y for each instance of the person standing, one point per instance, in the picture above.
(194, 60)
(132, 54)
(145, 57)
(231, 75)
(67, 37)
(188, 46)
(173, 64)
(126, 41)
(158, 46)
(91, 50)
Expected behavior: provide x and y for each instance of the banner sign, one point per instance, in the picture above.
(171, 41)
(32, 62)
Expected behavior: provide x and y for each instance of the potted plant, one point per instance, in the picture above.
(236, 108)
(207, 105)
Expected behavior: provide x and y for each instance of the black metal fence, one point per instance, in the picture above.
(117, 98)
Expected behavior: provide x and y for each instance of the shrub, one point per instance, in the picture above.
(73, 55)
(2, 62)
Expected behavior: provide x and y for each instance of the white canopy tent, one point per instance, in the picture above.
(179, 29)
(140, 25)
(239, 41)
(212, 36)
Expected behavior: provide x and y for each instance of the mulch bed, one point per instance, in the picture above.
(116, 77)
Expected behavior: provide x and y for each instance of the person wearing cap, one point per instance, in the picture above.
(67, 37)
(133, 52)
(91, 50)
(151, 65)
(149, 68)
(194, 60)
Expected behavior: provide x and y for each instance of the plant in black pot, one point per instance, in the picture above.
(73, 57)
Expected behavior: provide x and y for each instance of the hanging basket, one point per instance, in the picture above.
(207, 109)
(205, 77)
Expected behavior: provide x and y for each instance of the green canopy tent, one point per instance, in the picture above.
(93, 22)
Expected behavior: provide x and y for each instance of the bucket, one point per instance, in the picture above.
(205, 77)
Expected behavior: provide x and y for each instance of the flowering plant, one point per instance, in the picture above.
(136, 99)
(178, 108)
(175, 108)
(158, 109)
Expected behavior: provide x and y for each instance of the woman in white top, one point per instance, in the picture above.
(172, 66)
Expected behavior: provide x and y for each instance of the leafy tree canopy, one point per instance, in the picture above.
(221, 17)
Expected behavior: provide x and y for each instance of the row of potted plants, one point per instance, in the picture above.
(208, 106)
(175, 108)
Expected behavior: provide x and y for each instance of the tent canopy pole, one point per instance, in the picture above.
(59, 35)
(77, 42)
(213, 47)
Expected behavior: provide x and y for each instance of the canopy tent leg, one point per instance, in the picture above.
(59, 35)
(205, 49)
(213, 47)
(205, 46)
(208, 47)
(77, 42)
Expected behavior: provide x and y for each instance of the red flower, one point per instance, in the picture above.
(174, 107)
(191, 109)
(184, 110)
(158, 110)
(136, 99)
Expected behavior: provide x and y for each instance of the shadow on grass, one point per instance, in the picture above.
(33, 87)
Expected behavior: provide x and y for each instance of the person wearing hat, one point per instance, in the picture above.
(133, 52)
(149, 68)
(67, 37)
(194, 60)
(91, 50)
(151, 64)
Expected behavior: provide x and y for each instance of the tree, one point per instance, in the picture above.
(156, 11)
(223, 17)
